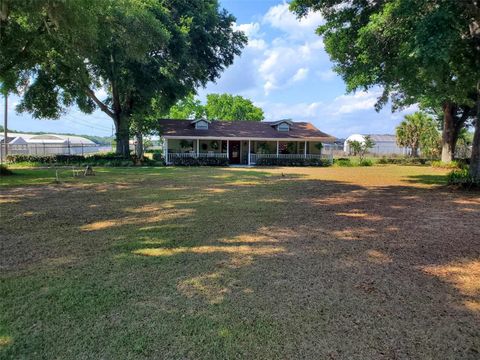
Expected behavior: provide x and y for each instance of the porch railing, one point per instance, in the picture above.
(255, 157)
(171, 156)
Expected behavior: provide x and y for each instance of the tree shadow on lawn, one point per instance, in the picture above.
(428, 179)
(272, 266)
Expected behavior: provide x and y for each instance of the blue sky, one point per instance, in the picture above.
(284, 69)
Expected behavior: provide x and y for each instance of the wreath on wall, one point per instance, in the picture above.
(204, 146)
(214, 145)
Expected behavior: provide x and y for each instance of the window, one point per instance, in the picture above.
(201, 125)
(283, 127)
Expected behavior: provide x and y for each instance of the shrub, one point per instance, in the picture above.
(69, 159)
(450, 165)
(108, 159)
(190, 161)
(462, 178)
(107, 156)
(152, 162)
(4, 171)
(365, 162)
(403, 161)
(343, 162)
(292, 162)
(157, 155)
(40, 159)
(361, 148)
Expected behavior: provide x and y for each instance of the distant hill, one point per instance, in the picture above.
(100, 140)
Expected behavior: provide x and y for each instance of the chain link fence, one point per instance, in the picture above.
(45, 149)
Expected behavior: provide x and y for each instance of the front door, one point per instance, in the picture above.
(234, 152)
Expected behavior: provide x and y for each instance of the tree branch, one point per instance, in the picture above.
(100, 104)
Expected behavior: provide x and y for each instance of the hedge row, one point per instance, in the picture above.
(199, 161)
(108, 159)
(404, 161)
(45, 159)
(346, 162)
(292, 162)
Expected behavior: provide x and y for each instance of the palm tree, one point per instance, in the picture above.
(418, 130)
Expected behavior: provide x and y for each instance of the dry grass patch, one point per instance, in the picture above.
(203, 263)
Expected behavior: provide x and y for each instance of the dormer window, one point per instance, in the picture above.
(201, 124)
(283, 127)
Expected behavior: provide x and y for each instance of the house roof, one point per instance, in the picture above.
(374, 137)
(383, 137)
(9, 139)
(52, 139)
(13, 140)
(242, 129)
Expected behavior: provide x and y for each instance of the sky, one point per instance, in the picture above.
(284, 69)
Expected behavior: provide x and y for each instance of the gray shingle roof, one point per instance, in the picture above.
(383, 137)
(243, 129)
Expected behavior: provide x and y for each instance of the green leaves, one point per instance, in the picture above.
(147, 54)
(229, 107)
(419, 131)
(417, 51)
(187, 108)
(218, 107)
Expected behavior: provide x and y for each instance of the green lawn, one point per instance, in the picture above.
(217, 263)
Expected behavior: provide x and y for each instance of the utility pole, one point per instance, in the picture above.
(5, 123)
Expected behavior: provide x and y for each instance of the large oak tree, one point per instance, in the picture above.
(139, 51)
(417, 51)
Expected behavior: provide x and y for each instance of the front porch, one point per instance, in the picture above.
(243, 151)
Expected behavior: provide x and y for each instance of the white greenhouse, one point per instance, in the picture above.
(53, 144)
(385, 144)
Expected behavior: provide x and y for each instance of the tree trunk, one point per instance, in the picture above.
(139, 145)
(448, 135)
(475, 159)
(414, 152)
(122, 136)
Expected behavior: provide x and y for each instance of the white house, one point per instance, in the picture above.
(385, 144)
(242, 142)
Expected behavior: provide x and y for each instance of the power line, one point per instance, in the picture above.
(84, 122)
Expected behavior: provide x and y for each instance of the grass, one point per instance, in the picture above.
(211, 263)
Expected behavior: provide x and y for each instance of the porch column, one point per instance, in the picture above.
(198, 147)
(248, 162)
(165, 148)
(305, 149)
(228, 150)
(277, 148)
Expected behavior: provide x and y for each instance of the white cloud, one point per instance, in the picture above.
(343, 116)
(300, 111)
(250, 29)
(276, 62)
(345, 104)
(294, 51)
(282, 64)
(258, 44)
(326, 75)
(280, 17)
(300, 74)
